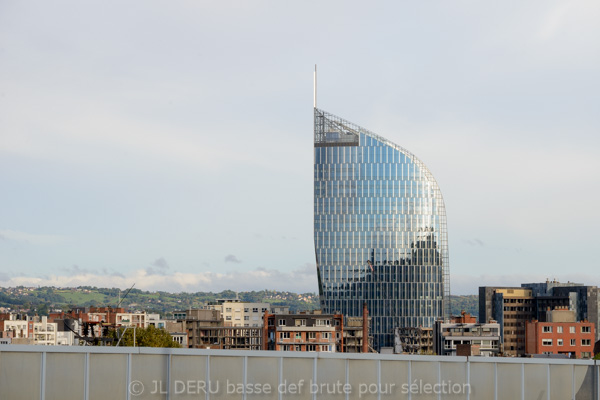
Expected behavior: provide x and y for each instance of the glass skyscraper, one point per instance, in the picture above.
(380, 230)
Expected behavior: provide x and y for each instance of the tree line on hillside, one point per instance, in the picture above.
(41, 300)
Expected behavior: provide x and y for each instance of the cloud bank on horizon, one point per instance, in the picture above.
(301, 280)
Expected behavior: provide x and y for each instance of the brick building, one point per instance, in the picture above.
(513, 307)
(304, 332)
(561, 334)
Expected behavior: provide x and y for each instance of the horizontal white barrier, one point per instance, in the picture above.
(100, 373)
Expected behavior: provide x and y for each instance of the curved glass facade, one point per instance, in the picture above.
(380, 230)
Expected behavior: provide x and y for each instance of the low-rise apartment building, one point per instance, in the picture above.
(14, 326)
(131, 319)
(44, 332)
(353, 335)
(417, 340)
(24, 329)
(304, 332)
(561, 334)
(206, 329)
(463, 330)
(155, 320)
(238, 313)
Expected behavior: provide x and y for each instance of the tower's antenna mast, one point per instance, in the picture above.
(315, 88)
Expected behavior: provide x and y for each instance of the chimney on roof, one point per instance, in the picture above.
(365, 342)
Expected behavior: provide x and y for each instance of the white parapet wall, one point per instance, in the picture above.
(100, 373)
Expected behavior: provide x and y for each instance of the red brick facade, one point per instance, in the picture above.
(575, 339)
(303, 332)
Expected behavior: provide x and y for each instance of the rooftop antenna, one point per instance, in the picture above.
(315, 88)
(126, 293)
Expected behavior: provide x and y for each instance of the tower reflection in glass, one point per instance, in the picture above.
(380, 230)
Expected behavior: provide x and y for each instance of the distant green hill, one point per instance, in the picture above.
(468, 303)
(44, 299)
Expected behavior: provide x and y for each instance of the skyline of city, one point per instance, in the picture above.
(176, 155)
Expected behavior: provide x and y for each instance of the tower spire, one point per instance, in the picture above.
(315, 88)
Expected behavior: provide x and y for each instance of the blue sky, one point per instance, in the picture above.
(170, 143)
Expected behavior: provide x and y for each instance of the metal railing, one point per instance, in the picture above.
(89, 373)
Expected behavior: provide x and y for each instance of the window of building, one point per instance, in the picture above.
(586, 329)
(325, 335)
(255, 309)
(312, 335)
(228, 309)
(586, 342)
(546, 342)
(311, 347)
(246, 318)
(572, 342)
(300, 322)
(228, 318)
(264, 309)
(298, 335)
(559, 329)
(325, 348)
(323, 322)
(246, 309)
(571, 329)
(282, 322)
(297, 348)
(586, 354)
(559, 342)
(547, 329)
(284, 335)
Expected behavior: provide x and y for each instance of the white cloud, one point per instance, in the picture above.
(301, 280)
